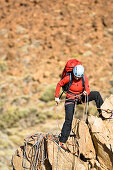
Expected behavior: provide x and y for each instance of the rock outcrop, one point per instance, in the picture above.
(102, 137)
(102, 134)
(107, 107)
(90, 147)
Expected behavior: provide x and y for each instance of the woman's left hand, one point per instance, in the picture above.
(85, 93)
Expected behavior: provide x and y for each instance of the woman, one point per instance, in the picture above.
(75, 89)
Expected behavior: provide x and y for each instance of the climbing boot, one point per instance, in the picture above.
(100, 116)
(61, 145)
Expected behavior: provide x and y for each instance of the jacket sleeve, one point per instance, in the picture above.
(87, 89)
(61, 83)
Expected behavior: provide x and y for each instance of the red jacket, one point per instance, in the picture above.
(75, 88)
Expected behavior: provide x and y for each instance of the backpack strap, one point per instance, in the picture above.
(68, 84)
(70, 80)
(83, 83)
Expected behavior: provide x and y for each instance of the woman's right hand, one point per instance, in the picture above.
(57, 100)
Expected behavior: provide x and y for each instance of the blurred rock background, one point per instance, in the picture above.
(36, 39)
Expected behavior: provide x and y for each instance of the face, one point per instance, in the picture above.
(77, 78)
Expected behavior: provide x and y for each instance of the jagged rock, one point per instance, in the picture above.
(85, 141)
(107, 105)
(81, 156)
(59, 159)
(102, 136)
(18, 160)
(90, 147)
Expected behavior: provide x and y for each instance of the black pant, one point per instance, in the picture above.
(69, 111)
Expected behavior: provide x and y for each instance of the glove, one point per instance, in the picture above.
(85, 93)
(57, 100)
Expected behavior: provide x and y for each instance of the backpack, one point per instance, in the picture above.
(68, 69)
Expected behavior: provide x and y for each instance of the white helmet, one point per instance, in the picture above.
(78, 71)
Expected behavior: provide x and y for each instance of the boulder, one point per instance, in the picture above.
(102, 137)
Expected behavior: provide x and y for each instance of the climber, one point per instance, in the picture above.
(76, 88)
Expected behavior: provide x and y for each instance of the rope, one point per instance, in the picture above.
(73, 163)
(53, 158)
(56, 120)
(43, 156)
(37, 154)
(24, 157)
(85, 112)
(57, 157)
(57, 123)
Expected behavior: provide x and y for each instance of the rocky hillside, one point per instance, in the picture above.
(36, 39)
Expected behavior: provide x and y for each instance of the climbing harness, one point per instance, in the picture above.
(77, 96)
